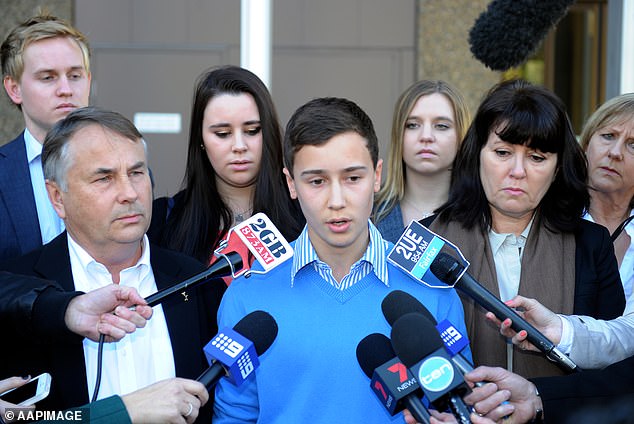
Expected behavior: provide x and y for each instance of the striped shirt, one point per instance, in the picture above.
(373, 260)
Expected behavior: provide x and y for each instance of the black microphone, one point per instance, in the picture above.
(393, 384)
(418, 345)
(448, 270)
(398, 303)
(225, 265)
(259, 329)
(509, 31)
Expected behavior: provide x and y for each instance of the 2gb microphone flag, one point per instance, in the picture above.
(265, 242)
(417, 248)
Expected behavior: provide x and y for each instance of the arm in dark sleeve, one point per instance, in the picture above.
(603, 297)
(564, 396)
(110, 410)
(32, 308)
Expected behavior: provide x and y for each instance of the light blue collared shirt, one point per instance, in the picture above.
(50, 224)
(373, 260)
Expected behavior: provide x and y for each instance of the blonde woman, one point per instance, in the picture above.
(430, 119)
(608, 140)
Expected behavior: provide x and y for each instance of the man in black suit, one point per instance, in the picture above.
(96, 171)
(31, 307)
(46, 74)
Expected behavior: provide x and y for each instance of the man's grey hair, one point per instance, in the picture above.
(56, 158)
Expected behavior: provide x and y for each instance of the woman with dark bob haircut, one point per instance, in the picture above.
(234, 168)
(515, 207)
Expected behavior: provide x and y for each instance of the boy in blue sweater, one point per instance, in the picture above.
(328, 297)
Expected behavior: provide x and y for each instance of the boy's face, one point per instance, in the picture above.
(335, 185)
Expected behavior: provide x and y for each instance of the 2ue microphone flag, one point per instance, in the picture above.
(417, 248)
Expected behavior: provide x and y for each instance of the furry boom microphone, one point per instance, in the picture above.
(509, 31)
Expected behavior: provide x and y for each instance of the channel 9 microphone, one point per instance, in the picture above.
(398, 303)
(417, 343)
(234, 352)
(448, 270)
(393, 384)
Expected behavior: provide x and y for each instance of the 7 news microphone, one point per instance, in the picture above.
(234, 352)
(447, 269)
(398, 303)
(417, 343)
(393, 384)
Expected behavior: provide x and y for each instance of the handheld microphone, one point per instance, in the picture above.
(393, 384)
(260, 236)
(265, 242)
(234, 352)
(448, 269)
(509, 31)
(398, 303)
(225, 265)
(416, 342)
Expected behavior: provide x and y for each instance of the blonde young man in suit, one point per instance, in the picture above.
(46, 74)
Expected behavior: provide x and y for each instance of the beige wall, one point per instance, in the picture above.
(147, 53)
(443, 47)
(12, 13)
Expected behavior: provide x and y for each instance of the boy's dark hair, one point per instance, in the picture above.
(321, 119)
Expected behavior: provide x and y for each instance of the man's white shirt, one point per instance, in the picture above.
(139, 359)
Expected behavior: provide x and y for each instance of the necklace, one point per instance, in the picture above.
(238, 217)
(422, 214)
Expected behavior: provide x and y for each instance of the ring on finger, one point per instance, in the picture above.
(191, 408)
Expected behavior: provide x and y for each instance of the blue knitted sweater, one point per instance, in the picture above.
(310, 373)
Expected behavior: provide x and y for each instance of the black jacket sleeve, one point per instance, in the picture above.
(32, 308)
(593, 393)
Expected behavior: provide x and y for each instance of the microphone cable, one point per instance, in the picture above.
(233, 261)
(102, 340)
(620, 228)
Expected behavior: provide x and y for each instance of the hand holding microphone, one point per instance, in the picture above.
(107, 311)
(449, 270)
(546, 321)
